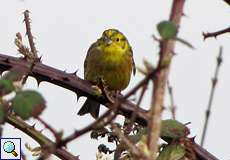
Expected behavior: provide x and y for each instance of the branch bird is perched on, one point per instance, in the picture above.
(109, 59)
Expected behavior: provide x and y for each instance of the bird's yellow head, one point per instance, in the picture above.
(114, 41)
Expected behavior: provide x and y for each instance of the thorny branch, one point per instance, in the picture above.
(215, 34)
(134, 115)
(123, 106)
(214, 83)
(102, 121)
(71, 82)
(81, 87)
(167, 47)
(51, 129)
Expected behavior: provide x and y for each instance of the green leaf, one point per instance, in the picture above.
(184, 42)
(172, 152)
(167, 29)
(173, 129)
(28, 104)
(6, 86)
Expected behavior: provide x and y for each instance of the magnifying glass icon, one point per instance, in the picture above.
(9, 147)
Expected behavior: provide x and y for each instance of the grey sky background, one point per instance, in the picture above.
(64, 30)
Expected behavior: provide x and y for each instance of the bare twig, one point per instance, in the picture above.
(102, 121)
(106, 118)
(214, 83)
(29, 33)
(134, 115)
(166, 48)
(33, 57)
(217, 33)
(52, 130)
(151, 75)
(172, 107)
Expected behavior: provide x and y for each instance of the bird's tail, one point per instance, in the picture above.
(90, 106)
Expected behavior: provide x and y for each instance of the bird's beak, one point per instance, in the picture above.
(107, 40)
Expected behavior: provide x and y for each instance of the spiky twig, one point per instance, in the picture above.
(166, 48)
(134, 115)
(102, 121)
(51, 129)
(217, 33)
(214, 83)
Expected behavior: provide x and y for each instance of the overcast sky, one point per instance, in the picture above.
(64, 30)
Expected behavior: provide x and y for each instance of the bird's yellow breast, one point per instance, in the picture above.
(112, 65)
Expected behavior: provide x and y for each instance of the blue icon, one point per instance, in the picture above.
(9, 147)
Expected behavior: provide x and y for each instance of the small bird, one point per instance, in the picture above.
(109, 59)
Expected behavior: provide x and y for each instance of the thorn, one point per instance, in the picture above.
(41, 130)
(74, 73)
(174, 53)
(204, 35)
(39, 59)
(26, 11)
(33, 126)
(186, 131)
(163, 108)
(192, 139)
(155, 38)
(78, 96)
(185, 15)
(187, 123)
(38, 82)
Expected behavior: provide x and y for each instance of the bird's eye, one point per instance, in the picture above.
(117, 39)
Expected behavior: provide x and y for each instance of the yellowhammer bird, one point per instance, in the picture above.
(109, 59)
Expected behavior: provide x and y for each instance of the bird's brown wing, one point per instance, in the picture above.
(87, 56)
